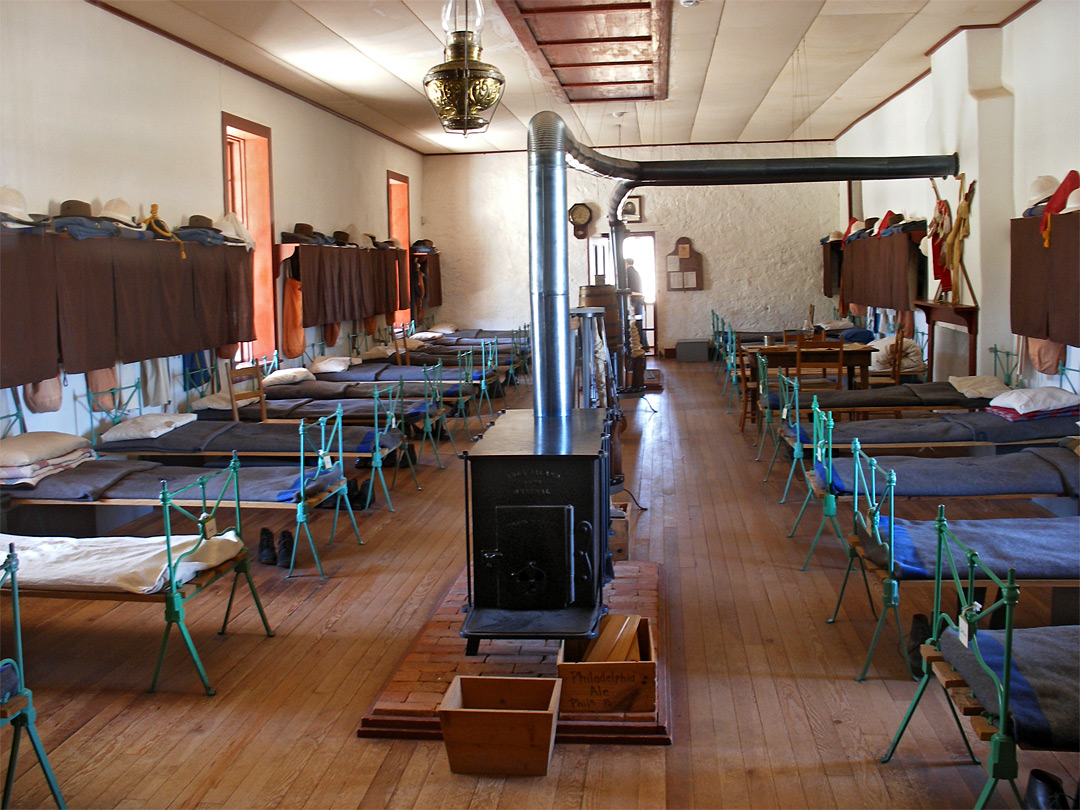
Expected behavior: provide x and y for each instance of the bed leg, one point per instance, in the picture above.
(907, 717)
(229, 604)
(195, 657)
(43, 760)
(302, 521)
(798, 518)
(258, 601)
(352, 519)
(13, 758)
(829, 505)
(843, 587)
(161, 652)
(386, 492)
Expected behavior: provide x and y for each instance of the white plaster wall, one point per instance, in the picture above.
(93, 107)
(762, 258)
(989, 98)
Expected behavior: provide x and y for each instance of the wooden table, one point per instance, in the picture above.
(857, 357)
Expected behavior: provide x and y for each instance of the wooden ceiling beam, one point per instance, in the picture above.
(611, 99)
(606, 84)
(632, 63)
(591, 41)
(596, 9)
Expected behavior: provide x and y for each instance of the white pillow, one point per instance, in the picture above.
(215, 402)
(426, 335)
(355, 361)
(981, 385)
(328, 365)
(287, 376)
(147, 426)
(27, 448)
(378, 353)
(1030, 400)
(443, 328)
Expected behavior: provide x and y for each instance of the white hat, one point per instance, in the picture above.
(13, 205)
(1042, 188)
(233, 229)
(1072, 203)
(119, 211)
(836, 236)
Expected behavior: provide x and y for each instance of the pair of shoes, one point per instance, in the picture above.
(920, 632)
(1045, 790)
(267, 554)
(285, 549)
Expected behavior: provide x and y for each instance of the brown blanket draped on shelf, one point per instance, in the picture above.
(292, 314)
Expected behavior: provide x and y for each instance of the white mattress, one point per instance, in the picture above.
(114, 564)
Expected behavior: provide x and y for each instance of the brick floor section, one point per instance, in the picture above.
(407, 706)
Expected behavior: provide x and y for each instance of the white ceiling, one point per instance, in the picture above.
(740, 70)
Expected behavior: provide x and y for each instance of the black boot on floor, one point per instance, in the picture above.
(1045, 790)
(267, 555)
(920, 632)
(284, 549)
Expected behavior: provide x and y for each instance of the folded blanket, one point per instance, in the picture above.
(87, 481)
(31, 474)
(1015, 416)
(1043, 696)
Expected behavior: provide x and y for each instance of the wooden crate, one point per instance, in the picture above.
(609, 686)
(500, 726)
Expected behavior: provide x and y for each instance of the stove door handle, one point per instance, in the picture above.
(584, 555)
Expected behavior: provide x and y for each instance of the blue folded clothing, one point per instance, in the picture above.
(86, 227)
(311, 483)
(204, 236)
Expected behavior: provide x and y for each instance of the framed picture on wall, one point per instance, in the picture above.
(631, 209)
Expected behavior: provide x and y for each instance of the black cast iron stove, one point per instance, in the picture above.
(537, 505)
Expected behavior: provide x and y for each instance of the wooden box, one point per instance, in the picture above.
(609, 686)
(500, 726)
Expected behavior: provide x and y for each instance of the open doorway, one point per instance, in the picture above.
(249, 195)
(641, 247)
(397, 207)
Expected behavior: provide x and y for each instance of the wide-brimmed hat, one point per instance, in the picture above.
(199, 221)
(342, 238)
(1072, 203)
(836, 236)
(76, 208)
(303, 229)
(1042, 188)
(13, 208)
(119, 211)
(365, 241)
(233, 230)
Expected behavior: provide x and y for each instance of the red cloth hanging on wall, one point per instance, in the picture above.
(292, 315)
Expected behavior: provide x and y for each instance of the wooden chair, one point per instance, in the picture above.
(748, 386)
(16, 701)
(239, 375)
(830, 371)
(891, 376)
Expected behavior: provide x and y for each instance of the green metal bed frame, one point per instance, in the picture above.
(17, 706)
(1001, 763)
(435, 425)
(177, 594)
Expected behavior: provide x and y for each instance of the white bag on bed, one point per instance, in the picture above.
(980, 385)
(910, 363)
(328, 365)
(146, 426)
(110, 564)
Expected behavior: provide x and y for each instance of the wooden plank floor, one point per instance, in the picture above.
(764, 709)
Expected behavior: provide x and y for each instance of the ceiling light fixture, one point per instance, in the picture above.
(463, 90)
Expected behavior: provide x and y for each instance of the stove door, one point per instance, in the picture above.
(533, 558)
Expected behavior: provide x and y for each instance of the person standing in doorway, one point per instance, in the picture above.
(637, 300)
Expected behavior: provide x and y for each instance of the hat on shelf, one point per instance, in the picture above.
(365, 241)
(303, 229)
(233, 230)
(836, 236)
(199, 221)
(13, 210)
(1042, 188)
(1072, 203)
(76, 208)
(119, 212)
(342, 238)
